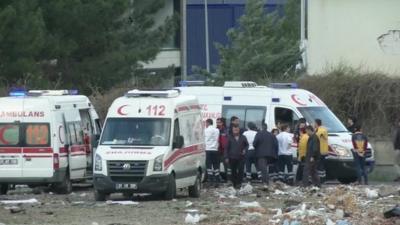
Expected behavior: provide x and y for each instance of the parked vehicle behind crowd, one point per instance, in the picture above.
(281, 103)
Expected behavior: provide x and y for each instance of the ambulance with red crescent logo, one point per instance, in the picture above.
(152, 142)
(45, 138)
(280, 103)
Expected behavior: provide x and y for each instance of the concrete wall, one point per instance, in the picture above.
(358, 33)
(384, 160)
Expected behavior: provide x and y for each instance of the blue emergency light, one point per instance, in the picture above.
(73, 92)
(188, 83)
(17, 92)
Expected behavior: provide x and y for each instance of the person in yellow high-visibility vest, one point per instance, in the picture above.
(301, 137)
(322, 134)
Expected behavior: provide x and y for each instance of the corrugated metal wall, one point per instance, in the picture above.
(221, 17)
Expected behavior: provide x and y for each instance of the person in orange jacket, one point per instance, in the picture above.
(322, 134)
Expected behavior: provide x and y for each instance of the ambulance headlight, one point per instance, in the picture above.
(341, 151)
(98, 166)
(158, 163)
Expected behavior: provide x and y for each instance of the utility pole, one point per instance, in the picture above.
(183, 40)
(206, 36)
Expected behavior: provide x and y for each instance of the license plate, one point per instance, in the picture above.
(126, 186)
(8, 161)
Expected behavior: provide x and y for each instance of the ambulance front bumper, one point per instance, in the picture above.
(58, 176)
(157, 183)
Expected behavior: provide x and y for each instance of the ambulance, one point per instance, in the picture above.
(280, 103)
(152, 142)
(45, 138)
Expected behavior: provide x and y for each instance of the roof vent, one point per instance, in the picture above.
(153, 93)
(240, 84)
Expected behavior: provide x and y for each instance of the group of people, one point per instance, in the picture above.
(271, 153)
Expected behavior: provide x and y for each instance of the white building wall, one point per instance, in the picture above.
(359, 33)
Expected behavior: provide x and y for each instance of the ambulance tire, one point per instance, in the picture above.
(194, 191)
(4, 189)
(347, 180)
(170, 193)
(100, 196)
(65, 187)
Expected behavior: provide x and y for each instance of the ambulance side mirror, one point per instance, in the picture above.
(178, 142)
(95, 140)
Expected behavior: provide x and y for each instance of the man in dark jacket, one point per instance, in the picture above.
(235, 152)
(396, 147)
(223, 139)
(266, 150)
(312, 158)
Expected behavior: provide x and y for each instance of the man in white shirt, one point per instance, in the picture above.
(285, 158)
(212, 155)
(250, 134)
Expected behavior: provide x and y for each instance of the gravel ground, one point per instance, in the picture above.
(255, 204)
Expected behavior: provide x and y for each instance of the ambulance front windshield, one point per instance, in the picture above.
(136, 132)
(329, 120)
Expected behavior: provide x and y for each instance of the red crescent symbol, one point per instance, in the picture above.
(297, 100)
(119, 111)
(2, 130)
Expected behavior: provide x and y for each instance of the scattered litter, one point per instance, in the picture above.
(51, 193)
(192, 219)
(342, 222)
(278, 213)
(78, 203)
(82, 195)
(95, 223)
(275, 221)
(188, 203)
(371, 194)
(252, 216)
(109, 202)
(279, 192)
(15, 209)
(339, 213)
(28, 201)
(246, 190)
(174, 200)
(329, 222)
(191, 210)
(394, 212)
(254, 204)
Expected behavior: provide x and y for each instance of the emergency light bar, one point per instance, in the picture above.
(52, 92)
(284, 85)
(155, 93)
(188, 83)
(240, 84)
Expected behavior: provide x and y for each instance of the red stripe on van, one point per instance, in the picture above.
(38, 156)
(183, 108)
(78, 148)
(195, 107)
(181, 153)
(63, 150)
(38, 150)
(9, 150)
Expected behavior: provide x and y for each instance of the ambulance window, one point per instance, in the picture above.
(72, 134)
(285, 116)
(86, 121)
(78, 133)
(255, 115)
(37, 134)
(9, 134)
(237, 111)
(177, 132)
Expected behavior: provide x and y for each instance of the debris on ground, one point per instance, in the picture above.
(243, 204)
(27, 201)
(394, 212)
(246, 189)
(109, 202)
(371, 194)
(193, 218)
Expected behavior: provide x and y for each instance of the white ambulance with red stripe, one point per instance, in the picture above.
(152, 142)
(280, 103)
(45, 138)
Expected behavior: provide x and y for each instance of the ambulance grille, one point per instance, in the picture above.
(120, 171)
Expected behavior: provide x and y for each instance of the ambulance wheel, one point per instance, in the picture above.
(170, 193)
(65, 187)
(194, 191)
(100, 196)
(347, 180)
(3, 189)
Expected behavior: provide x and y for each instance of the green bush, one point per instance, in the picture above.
(373, 98)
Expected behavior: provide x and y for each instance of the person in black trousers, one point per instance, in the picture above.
(235, 153)
(266, 147)
(312, 158)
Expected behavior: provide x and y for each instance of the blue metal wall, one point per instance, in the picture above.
(221, 17)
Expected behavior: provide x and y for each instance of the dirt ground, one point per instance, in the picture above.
(254, 204)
